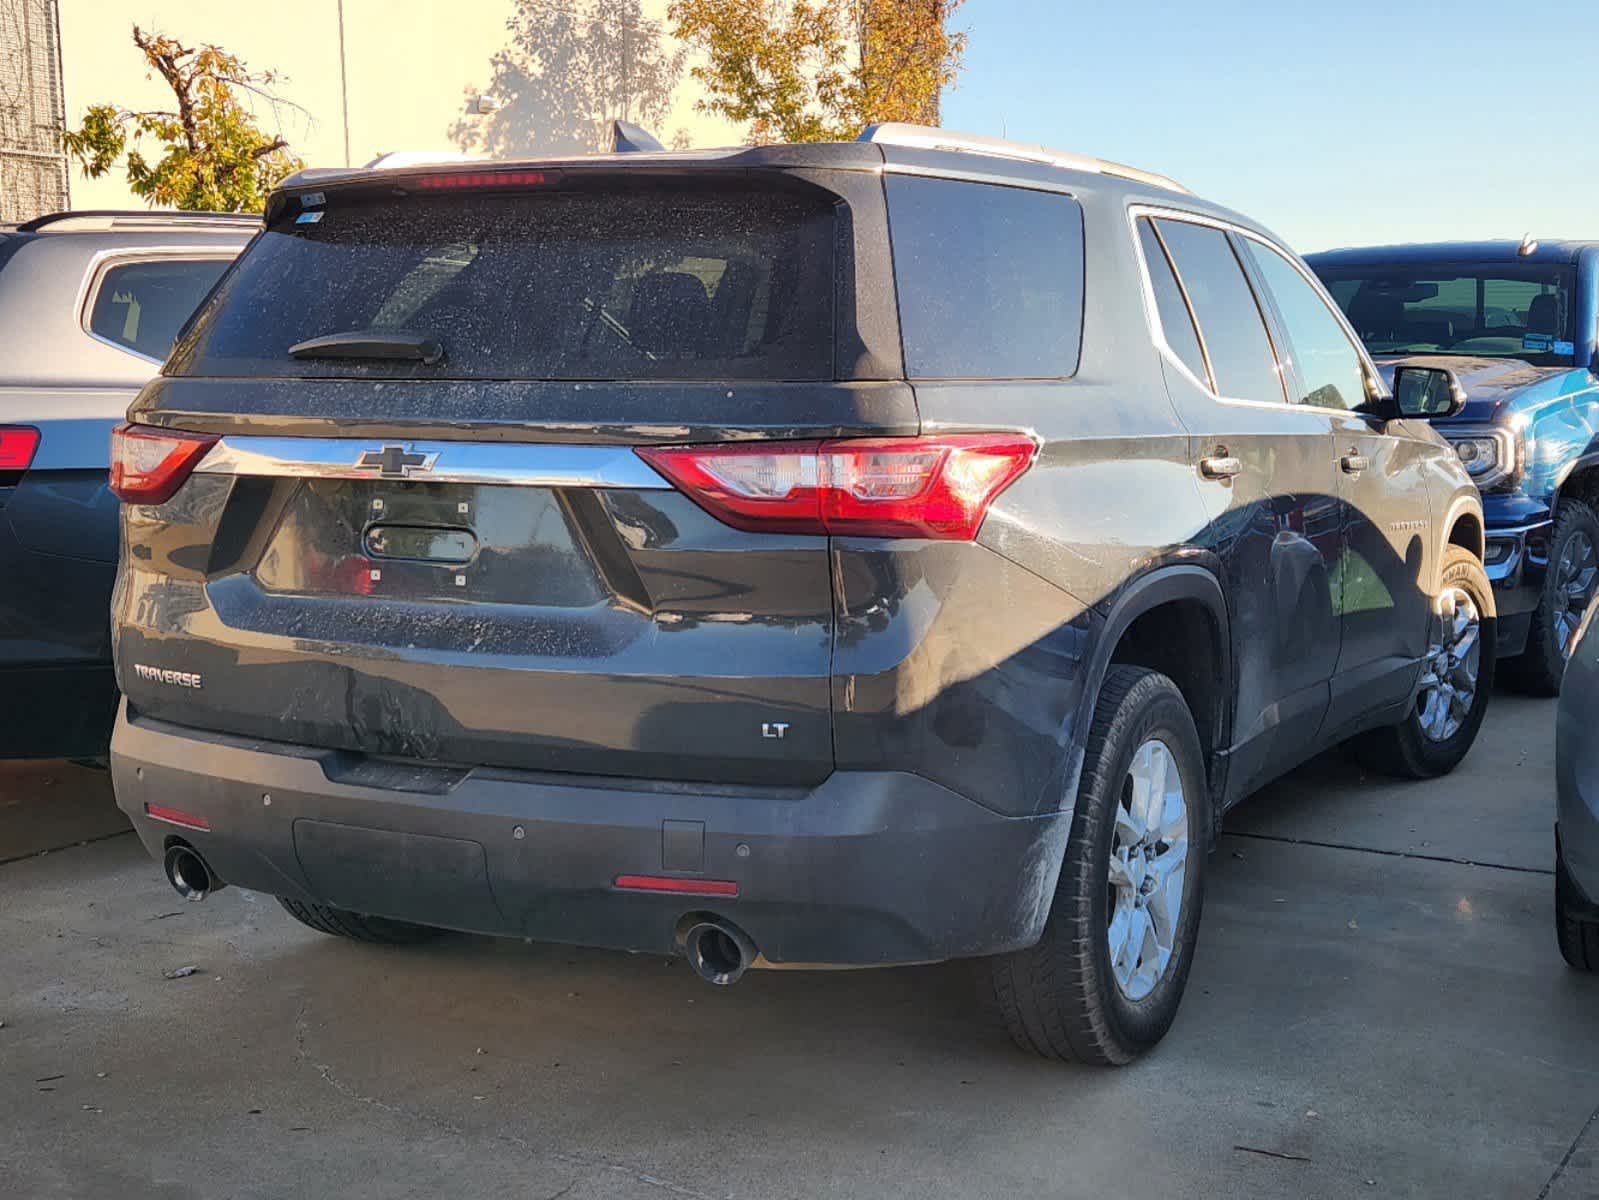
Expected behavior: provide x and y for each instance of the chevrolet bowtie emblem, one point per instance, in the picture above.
(394, 462)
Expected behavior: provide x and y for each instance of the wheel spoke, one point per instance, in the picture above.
(1121, 876)
(1166, 901)
(1137, 934)
(1148, 860)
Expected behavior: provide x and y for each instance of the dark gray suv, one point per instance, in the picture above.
(831, 555)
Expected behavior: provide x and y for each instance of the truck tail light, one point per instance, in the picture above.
(919, 487)
(148, 465)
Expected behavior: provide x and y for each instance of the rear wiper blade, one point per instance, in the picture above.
(372, 343)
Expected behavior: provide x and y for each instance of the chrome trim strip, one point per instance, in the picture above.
(510, 464)
(1517, 530)
(1158, 335)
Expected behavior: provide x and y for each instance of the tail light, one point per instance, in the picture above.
(148, 465)
(922, 487)
(18, 444)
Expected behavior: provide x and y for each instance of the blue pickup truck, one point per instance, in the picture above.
(1515, 322)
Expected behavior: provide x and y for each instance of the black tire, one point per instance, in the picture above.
(1577, 932)
(1539, 668)
(340, 922)
(1404, 750)
(1060, 998)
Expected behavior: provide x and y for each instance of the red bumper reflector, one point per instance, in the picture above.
(17, 446)
(680, 887)
(173, 816)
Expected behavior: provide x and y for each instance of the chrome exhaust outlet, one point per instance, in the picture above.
(188, 874)
(719, 952)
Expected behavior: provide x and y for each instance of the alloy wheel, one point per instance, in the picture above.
(1575, 572)
(1449, 675)
(1148, 861)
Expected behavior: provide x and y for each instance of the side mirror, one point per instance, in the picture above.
(1428, 392)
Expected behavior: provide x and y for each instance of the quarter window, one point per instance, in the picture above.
(990, 279)
(1176, 323)
(1241, 356)
(142, 305)
(1327, 364)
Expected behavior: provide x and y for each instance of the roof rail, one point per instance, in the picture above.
(925, 137)
(111, 218)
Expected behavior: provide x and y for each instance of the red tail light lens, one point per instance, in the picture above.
(18, 444)
(148, 465)
(922, 487)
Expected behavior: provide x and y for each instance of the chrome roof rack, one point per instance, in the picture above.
(108, 218)
(925, 137)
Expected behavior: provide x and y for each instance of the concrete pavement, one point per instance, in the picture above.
(1375, 1010)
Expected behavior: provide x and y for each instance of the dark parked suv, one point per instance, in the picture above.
(830, 555)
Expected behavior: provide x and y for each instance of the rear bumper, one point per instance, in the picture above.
(868, 868)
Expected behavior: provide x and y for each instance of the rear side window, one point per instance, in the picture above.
(647, 283)
(1229, 318)
(990, 279)
(140, 306)
(1176, 323)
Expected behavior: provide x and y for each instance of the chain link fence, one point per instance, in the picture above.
(33, 169)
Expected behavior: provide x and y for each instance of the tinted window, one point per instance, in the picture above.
(1328, 364)
(142, 305)
(1175, 321)
(1229, 318)
(1510, 310)
(647, 283)
(990, 279)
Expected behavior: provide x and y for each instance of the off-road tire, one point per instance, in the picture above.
(1539, 668)
(1059, 998)
(1403, 750)
(378, 930)
(1578, 934)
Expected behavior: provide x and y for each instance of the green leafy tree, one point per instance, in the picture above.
(820, 70)
(212, 156)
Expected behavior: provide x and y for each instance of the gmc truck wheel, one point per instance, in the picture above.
(1569, 584)
(1103, 983)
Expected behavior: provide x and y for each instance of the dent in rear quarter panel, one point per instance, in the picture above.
(1111, 496)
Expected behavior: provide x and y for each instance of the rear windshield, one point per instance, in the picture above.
(1498, 310)
(648, 283)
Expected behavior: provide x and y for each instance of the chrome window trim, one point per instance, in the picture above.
(104, 261)
(509, 464)
(1158, 334)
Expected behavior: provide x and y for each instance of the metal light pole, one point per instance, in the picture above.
(344, 86)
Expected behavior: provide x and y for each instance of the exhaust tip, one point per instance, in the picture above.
(188, 874)
(719, 952)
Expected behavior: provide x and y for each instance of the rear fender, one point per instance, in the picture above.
(1162, 585)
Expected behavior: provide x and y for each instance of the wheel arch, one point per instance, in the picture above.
(1166, 601)
(1463, 525)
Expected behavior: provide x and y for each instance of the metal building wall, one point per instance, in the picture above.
(33, 169)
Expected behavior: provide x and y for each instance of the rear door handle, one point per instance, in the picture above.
(1354, 464)
(1220, 467)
